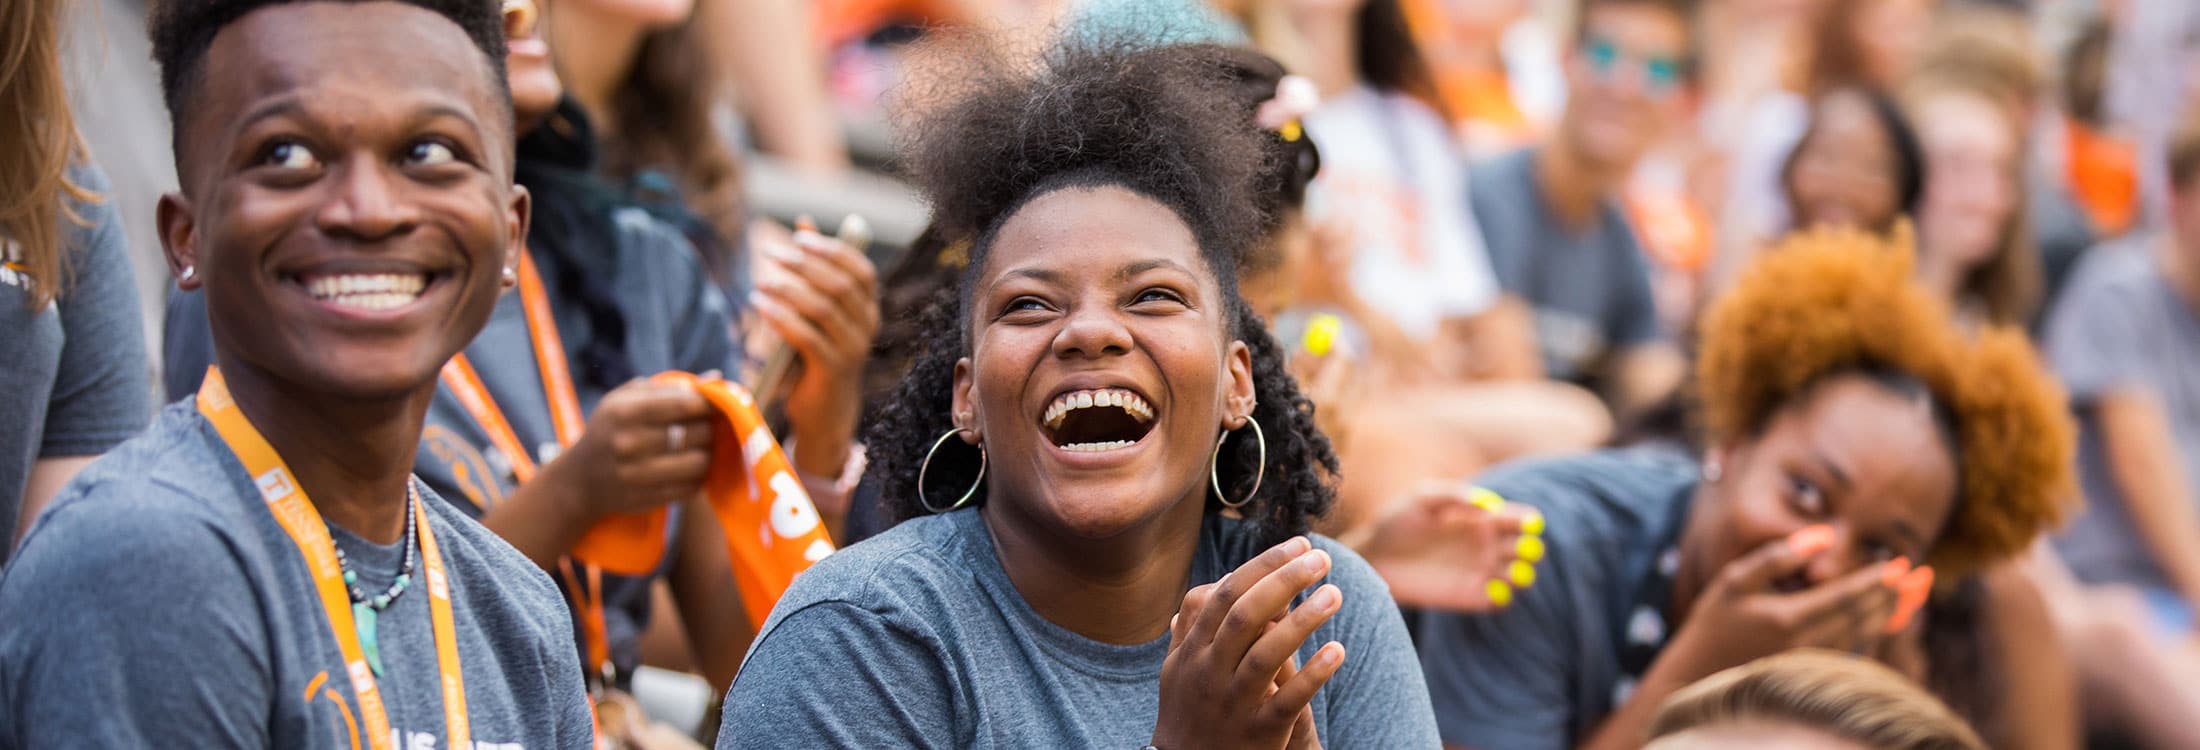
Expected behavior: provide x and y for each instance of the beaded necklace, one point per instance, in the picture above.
(364, 608)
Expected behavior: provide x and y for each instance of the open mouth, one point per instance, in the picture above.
(366, 292)
(1091, 421)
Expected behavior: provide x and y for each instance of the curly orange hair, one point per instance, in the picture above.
(1830, 301)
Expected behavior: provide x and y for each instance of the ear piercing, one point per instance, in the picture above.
(189, 273)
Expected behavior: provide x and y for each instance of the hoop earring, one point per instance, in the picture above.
(1260, 470)
(925, 467)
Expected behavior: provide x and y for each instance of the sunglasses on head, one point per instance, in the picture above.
(1661, 74)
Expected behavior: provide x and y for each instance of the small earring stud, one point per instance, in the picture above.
(189, 273)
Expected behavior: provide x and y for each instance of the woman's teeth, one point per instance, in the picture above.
(1097, 447)
(368, 291)
(1130, 403)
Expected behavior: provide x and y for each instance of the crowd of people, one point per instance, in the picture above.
(1492, 374)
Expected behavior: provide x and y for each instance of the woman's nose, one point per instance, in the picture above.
(1092, 333)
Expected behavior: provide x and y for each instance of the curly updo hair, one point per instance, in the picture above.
(1837, 302)
(1093, 113)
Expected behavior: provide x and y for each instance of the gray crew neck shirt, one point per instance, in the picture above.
(2119, 325)
(158, 603)
(1589, 286)
(75, 382)
(916, 638)
(1543, 673)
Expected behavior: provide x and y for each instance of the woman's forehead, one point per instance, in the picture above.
(1100, 228)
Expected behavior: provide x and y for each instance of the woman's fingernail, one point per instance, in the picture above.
(1910, 596)
(1919, 582)
(1314, 563)
(1296, 545)
(1501, 593)
(1522, 574)
(1486, 499)
(1325, 599)
(1810, 540)
(1529, 549)
(1532, 525)
(1892, 571)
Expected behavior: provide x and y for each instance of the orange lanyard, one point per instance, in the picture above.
(288, 502)
(557, 382)
(565, 419)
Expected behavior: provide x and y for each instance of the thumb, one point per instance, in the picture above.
(1753, 572)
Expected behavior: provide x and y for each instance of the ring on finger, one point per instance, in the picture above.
(675, 437)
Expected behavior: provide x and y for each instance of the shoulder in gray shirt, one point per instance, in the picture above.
(75, 382)
(1589, 285)
(157, 603)
(916, 638)
(2120, 326)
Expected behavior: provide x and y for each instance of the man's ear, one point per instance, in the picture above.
(964, 410)
(179, 238)
(518, 216)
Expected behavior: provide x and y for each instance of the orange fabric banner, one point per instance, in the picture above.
(773, 531)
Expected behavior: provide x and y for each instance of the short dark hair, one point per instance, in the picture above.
(1114, 113)
(182, 30)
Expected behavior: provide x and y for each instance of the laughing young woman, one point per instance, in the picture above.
(1070, 575)
(260, 568)
(1862, 450)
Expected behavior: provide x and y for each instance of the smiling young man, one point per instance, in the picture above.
(1557, 235)
(259, 569)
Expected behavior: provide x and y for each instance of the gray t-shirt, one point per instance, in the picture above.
(2121, 325)
(158, 603)
(75, 378)
(675, 320)
(1590, 287)
(916, 638)
(1544, 672)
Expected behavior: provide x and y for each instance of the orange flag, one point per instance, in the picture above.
(773, 531)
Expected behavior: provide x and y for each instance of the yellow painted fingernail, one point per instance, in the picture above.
(1482, 497)
(1522, 574)
(1501, 593)
(1529, 549)
(1532, 525)
(1321, 334)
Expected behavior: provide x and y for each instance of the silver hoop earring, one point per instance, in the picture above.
(1260, 470)
(189, 273)
(926, 467)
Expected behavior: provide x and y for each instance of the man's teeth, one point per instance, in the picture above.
(1097, 447)
(1129, 402)
(368, 291)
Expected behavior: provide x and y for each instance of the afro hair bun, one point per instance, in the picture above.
(1826, 302)
(993, 128)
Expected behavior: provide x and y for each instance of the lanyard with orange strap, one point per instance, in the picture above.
(790, 534)
(298, 517)
(565, 419)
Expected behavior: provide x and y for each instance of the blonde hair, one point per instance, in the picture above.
(38, 140)
(1849, 697)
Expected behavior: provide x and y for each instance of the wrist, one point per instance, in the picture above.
(573, 497)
